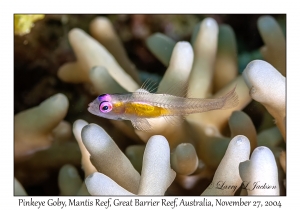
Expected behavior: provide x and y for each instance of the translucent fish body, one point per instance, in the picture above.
(142, 105)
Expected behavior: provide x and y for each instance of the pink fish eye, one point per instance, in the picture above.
(105, 106)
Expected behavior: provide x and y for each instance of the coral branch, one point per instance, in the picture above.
(85, 155)
(274, 50)
(103, 82)
(90, 53)
(18, 188)
(62, 132)
(205, 47)
(270, 137)
(177, 75)
(72, 73)
(226, 60)
(116, 164)
(241, 124)
(100, 184)
(267, 87)
(259, 174)
(227, 179)
(102, 29)
(157, 174)
(33, 127)
(184, 159)
(161, 46)
(69, 181)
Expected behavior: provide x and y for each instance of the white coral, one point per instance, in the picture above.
(117, 176)
(267, 86)
(259, 174)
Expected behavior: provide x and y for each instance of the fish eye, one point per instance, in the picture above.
(105, 106)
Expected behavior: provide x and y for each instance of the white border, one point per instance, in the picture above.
(8, 8)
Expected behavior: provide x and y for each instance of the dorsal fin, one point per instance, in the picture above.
(149, 85)
(141, 90)
(179, 89)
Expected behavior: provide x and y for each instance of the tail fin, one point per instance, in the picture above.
(231, 99)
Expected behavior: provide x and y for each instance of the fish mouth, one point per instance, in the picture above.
(90, 107)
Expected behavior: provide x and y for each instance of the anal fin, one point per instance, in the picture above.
(141, 124)
(174, 120)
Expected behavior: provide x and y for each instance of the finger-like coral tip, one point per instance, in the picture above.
(260, 171)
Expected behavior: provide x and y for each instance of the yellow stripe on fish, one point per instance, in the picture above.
(145, 110)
